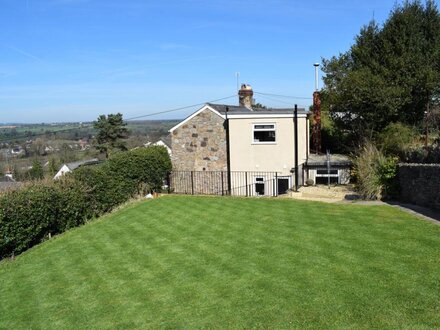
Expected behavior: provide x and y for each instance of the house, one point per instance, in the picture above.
(8, 182)
(69, 167)
(164, 142)
(16, 151)
(84, 144)
(239, 150)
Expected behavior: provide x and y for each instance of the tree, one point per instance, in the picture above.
(390, 74)
(16, 173)
(111, 132)
(36, 172)
(66, 153)
(396, 139)
(52, 167)
(38, 147)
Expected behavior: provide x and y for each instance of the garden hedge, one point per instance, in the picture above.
(143, 165)
(35, 212)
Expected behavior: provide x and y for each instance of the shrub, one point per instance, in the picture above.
(26, 217)
(375, 174)
(429, 154)
(396, 138)
(30, 214)
(103, 188)
(148, 167)
(74, 206)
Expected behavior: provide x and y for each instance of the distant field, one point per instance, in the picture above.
(36, 128)
(201, 262)
(74, 131)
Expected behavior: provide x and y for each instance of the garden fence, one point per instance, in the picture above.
(217, 183)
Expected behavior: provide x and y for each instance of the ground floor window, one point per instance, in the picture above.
(323, 175)
(259, 186)
(283, 184)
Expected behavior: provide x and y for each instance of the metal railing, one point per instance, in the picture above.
(242, 183)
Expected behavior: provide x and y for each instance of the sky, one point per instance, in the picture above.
(72, 60)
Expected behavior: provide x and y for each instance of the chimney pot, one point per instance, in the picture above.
(245, 96)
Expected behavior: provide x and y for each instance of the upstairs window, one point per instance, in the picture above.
(264, 133)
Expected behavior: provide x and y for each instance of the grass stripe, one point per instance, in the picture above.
(206, 262)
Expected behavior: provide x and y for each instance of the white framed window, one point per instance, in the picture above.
(264, 133)
(322, 176)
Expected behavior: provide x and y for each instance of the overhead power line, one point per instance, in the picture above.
(24, 136)
(286, 96)
(273, 99)
(264, 95)
(180, 108)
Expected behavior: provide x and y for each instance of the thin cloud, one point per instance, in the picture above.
(23, 52)
(126, 72)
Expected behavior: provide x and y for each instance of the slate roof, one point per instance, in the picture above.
(74, 165)
(233, 109)
(166, 140)
(335, 160)
(238, 110)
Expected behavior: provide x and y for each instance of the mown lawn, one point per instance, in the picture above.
(200, 262)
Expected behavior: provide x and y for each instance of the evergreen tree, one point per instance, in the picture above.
(390, 74)
(111, 132)
(36, 172)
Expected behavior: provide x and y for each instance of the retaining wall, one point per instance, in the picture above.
(420, 184)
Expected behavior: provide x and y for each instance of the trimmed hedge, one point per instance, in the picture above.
(27, 216)
(143, 165)
(103, 188)
(31, 214)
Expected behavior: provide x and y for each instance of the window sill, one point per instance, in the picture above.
(259, 143)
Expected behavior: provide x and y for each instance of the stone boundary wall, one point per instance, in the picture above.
(420, 184)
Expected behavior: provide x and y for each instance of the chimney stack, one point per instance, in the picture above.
(245, 96)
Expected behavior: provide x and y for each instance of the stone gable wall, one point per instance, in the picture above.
(200, 144)
(420, 184)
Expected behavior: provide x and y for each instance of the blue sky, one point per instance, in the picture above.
(71, 60)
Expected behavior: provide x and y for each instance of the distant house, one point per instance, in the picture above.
(7, 182)
(84, 144)
(17, 151)
(164, 142)
(69, 167)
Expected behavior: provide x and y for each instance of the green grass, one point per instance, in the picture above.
(200, 262)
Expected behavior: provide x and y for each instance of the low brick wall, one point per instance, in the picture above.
(420, 184)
